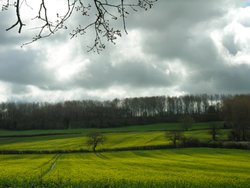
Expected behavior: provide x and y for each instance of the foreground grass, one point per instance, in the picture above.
(193, 167)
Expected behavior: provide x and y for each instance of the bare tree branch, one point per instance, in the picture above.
(104, 14)
(19, 20)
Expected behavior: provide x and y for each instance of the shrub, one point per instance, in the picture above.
(189, 142)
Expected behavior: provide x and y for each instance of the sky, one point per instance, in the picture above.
(178, 47)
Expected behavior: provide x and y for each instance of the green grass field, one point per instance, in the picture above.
(148, 135)
(179, 168)
(199, 167)
(135, 128)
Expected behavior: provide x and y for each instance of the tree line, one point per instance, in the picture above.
(234, 110)
(236, 113)
(112, 113)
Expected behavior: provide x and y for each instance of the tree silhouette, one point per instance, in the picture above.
(103, 11)
(95, 138)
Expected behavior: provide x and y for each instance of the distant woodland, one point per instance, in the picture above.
(234, 110)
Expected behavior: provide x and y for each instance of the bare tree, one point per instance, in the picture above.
(103, 10)
(95, 138)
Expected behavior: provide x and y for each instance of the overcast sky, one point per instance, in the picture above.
(178, 47)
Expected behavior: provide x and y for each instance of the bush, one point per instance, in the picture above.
(189, 142)
(237, 145)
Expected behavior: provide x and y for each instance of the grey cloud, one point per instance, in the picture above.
(176, 29)
(196, 51)
(133, 73)
(23, 67)
(6, 39)
(234, 79)
(224, 79)
(167, 14)
(10, 38)
(230, 45)
(18, 89)
(185, 37)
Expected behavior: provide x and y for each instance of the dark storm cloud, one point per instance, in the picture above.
(179, 27)
(131, 73)
(23, 68)
(172, 13)
(196, 50)
(234, 80)
(224, 79)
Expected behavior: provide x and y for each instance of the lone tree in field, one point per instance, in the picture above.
(95, 138)
(52, 16)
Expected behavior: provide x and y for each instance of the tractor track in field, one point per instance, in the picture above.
(43, 165)
(46, 163)
(52, 165)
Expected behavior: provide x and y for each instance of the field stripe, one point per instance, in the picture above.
(52, 166)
